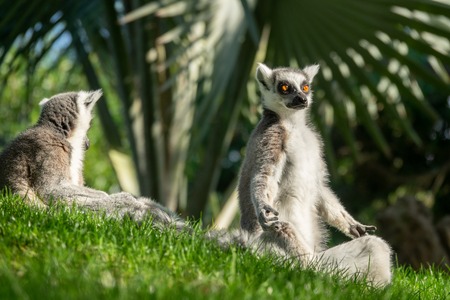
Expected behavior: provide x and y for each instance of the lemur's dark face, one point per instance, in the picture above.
(285, 89)
(294, 95)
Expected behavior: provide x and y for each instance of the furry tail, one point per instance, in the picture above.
(278, 243)
(226, 239)
(118, 206)
(162, 217)
(367, 257)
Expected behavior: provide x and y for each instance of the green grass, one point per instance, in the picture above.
(67, 254)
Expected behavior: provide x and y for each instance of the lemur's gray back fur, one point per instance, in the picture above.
(268, 135)
(45, 163)
(60, 114)
(40, 156)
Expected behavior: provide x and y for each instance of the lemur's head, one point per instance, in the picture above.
(285, 89)
(71, 114)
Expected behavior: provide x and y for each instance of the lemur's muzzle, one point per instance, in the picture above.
(298, 102)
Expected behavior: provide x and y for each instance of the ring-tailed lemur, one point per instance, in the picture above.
(45, 163)
(283, 186)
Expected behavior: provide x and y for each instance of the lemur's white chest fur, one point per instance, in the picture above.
(294, 186)
(76, 158)
(78, 138)
(299, 181)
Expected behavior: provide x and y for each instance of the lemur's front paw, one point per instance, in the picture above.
(359, 230)
(267, 217)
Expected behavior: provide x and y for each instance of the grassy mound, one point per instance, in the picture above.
(65, 253)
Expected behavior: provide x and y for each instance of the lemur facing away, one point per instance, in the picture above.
(283, 186)
(45, 163)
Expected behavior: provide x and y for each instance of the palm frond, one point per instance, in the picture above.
(180, 70)
(368, 52)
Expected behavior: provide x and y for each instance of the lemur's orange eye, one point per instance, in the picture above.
(305, 88)
(284, 88)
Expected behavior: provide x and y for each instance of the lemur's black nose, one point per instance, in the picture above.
(299, 100)
(87, 143)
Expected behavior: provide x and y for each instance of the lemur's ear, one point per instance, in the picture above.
(89, 98)
(263, 73)
(95, 96)
(311, 71)
(43, 101)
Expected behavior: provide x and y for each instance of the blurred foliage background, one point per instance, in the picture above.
(180, 100)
